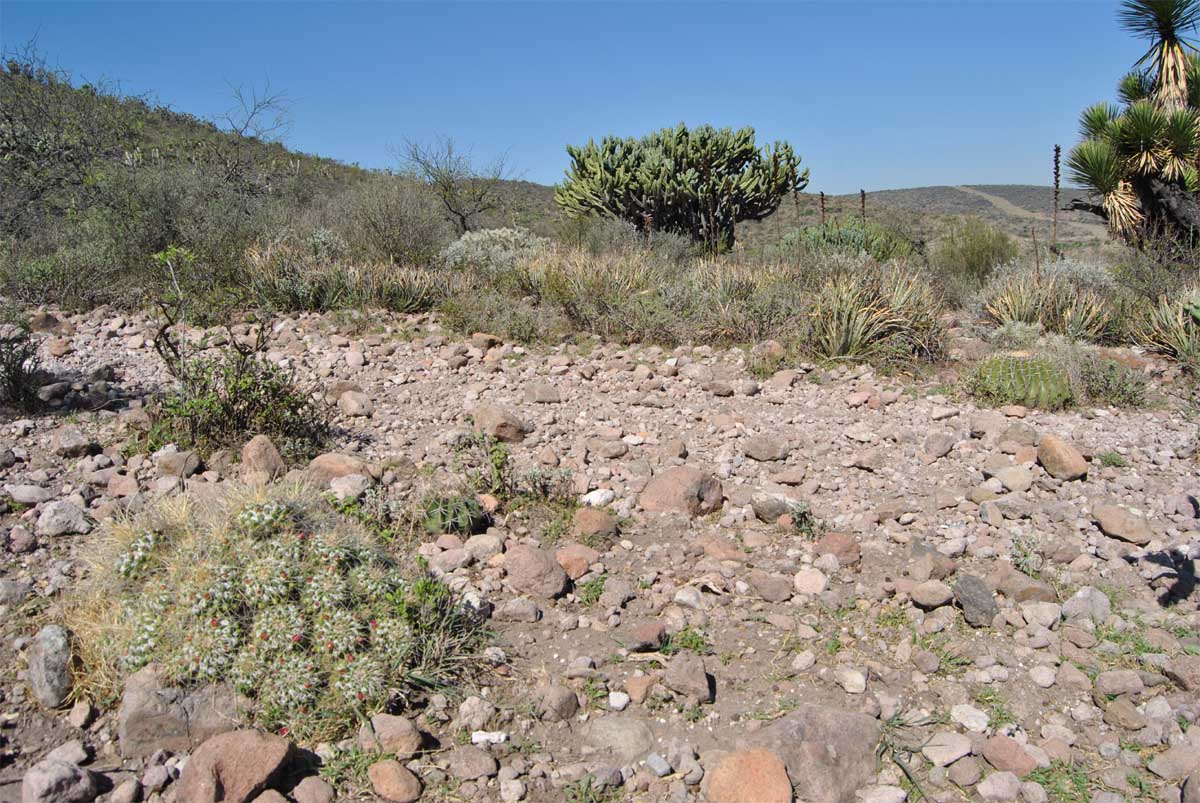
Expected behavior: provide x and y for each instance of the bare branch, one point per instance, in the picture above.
(466, 188)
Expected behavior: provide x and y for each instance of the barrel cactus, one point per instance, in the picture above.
(453, 513)
(1022, 379)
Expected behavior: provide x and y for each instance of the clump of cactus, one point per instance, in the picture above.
(1020, 379)
(291, 602)
(1192, 307)
(453, 513)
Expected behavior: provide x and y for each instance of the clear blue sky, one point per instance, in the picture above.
(872, 94)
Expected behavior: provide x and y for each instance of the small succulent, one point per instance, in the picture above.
(360, 680)
(263, 520)
(1192, 306)
(459, 513)
(131, 563)
(1018, 379)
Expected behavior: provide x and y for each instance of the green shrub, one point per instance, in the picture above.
(492, 251)
(968, 253)
(881, 243)
(472, 309)
(1106, 381)
(1026, 380)
(310, 277)
(275, 592)
(222, 401)
(389, 219)
(18, 364)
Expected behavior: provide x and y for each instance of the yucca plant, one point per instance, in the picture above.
(1140, 160)
(1172, 329)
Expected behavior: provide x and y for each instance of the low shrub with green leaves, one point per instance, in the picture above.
(492, 251)
(18, 364)
(1105, 381)
(276, 593)
(314, 277)
(965, 257)
(221, 401)
(881, 243)
(1032, 381)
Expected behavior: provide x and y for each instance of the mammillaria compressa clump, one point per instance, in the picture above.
(297, 606)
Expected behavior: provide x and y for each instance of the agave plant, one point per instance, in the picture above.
(1140, 158)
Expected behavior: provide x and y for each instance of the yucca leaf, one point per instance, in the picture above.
(1096, 120)
(1137, 85)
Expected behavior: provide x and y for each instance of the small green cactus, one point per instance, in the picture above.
(1017, 379)
(454, 513)
(1192, 307)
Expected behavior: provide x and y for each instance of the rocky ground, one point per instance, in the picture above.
(975, 604)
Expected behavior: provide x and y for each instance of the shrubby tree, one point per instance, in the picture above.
(1140, 158)
(697, 182)
(466, 188)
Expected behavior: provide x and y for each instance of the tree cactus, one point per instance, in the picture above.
(696, 182)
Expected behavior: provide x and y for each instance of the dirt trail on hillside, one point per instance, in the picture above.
(1007, 207)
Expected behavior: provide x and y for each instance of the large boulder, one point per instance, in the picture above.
(748, 776)
(499, 423)
(154, 715)
(682, 489)
(261, 461)
(1122, 524)
(327, 467)
(829, 752)
(52, 781)
(534, 572)
(1060, 459)
(236, 767)
(49, 659)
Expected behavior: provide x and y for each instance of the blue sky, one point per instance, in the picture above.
(872, 94)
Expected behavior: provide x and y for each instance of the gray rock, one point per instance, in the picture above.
(1087, 603)
(470, 763)
(766, 448)
(14, 592)
(69, 441)
(624, 739)
(52, 781)
(829, 752)
(559, 703)
(49, 658)
(28, 494)
(685, 675)
(976, 599)
(62, 518)
(156, 716)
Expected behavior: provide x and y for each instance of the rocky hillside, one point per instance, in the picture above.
(819, 585)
